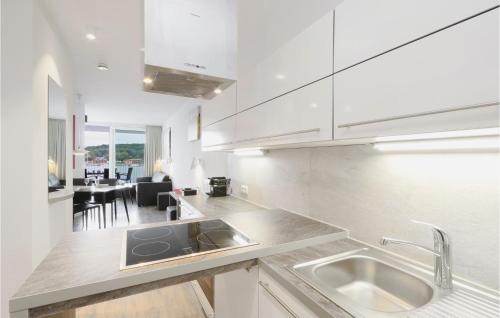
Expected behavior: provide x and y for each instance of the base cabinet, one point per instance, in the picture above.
(253, 293)
(277, 302)
(236, 294)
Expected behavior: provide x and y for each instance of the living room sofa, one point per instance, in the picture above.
(148, 188)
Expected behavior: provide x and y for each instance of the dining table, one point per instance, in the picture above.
(105, 189)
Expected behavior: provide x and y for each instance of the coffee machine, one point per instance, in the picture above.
(217, 186)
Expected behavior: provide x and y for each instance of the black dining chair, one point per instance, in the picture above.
(106, 173)
(82, 204)
(128, 177)
(107, 198)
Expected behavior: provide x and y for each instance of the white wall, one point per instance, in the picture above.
(17, 114)
(183, 152)
(50, 223)
(374, 194)
(30, 227)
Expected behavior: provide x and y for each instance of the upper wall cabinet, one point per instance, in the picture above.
(365, 28)
(190, 46)
(446, 81)
(219, 107)
(301, 60)
(219, 136)
(304, 115)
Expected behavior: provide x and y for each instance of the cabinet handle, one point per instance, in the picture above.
(297, 132)
(281, 302)
(447, 110)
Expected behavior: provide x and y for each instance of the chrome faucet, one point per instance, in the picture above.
(442, 254)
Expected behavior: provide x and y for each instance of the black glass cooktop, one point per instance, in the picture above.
(164, 243)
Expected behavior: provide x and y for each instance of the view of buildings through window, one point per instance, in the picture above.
(128, 146)
(129, 152)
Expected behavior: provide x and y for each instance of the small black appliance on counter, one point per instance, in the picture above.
(217, 186)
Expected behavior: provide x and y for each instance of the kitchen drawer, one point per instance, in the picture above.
(219, 107)
(304, 115)
(365, 28)
(219, 135)
(305, 58)
(277, 302)
(447, 81)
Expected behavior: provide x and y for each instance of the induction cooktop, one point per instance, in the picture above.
(152, 245)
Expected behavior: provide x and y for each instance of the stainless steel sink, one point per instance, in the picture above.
(365, 285)
(371, 283)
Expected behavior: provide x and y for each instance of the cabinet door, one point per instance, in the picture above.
(269, 306)
(415, 88)
(276, 301)
(304, 115)
(191, 35)
(219, 107)
(365, 28)
(218, 136)
(304, 59)
(236, 294)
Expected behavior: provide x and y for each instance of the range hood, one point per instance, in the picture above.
(181, 83)
(190, 46)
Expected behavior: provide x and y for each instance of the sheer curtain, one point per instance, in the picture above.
(152, 148)
(57, 146)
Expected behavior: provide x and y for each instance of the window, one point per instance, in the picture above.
(129, 152)
(97, 140)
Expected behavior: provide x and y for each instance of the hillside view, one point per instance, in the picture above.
(123, 152)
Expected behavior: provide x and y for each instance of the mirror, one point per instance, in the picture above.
(56, 136)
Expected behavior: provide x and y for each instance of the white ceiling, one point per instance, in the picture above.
(115, 95)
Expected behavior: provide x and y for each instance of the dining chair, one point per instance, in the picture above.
(82, 204)
(108, 198)
(128, 177)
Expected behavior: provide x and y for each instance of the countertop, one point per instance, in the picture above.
(88, 263)
(60, 195)
(464, 301)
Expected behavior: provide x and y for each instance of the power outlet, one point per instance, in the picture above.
(244, 189)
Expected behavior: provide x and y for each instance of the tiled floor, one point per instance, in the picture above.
(137, 215)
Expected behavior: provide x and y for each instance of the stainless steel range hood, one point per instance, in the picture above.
(182, 83)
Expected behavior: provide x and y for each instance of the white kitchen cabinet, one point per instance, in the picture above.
(192, 35)
(366, 28)
(304, 115)
(236, 294)
(219, 107)
(277, 302)
(301, 60)
(219, 135)
(415, 88)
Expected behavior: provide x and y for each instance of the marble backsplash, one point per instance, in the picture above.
(374, 194)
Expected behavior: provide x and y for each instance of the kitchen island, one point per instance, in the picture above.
(84, 268)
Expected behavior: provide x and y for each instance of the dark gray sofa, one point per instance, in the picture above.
(148, 188)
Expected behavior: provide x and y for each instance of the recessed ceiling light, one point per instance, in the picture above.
(147, 80)
(102, 67)
(90, 36)
(217, 91)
